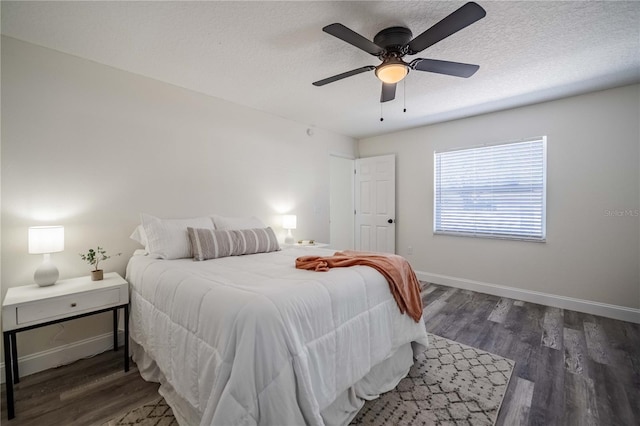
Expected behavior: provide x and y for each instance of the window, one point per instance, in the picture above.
(496, 191)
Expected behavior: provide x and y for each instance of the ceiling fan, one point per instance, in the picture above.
(392, 44)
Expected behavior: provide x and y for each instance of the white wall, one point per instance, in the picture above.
(90, 147)
(593, 168)
(341, 207)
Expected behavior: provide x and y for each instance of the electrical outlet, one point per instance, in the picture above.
(410, 250)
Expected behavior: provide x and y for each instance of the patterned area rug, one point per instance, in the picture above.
(154, 413)
(449, 384)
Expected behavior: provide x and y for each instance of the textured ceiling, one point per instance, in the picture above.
(265, 55)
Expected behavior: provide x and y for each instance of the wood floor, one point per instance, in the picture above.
(571, 368)
(88, 392)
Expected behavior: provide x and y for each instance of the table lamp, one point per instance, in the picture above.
(289, 223)
(46, 240)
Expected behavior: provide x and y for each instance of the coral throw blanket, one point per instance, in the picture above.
(403, 282)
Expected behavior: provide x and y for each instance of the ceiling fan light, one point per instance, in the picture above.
(391, 72)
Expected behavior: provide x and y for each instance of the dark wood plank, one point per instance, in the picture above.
(497, 340)
(597, 344)
(432, 309)
(477, 327)
(547, 406)
(611, 397)
(580, 401)
(456, 313)
(501, 310)
(89, 391)
(632, 378)
(517, 411)
(624, 355)
(428, 289)
(572, 319)
(437, 304)
(552, 328)
(575, 352)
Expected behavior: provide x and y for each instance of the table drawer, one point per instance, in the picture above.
(66, 306)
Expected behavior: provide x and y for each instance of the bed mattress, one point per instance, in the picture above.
(252, 340)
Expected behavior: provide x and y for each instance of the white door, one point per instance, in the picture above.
(376, 204)
(341, 217)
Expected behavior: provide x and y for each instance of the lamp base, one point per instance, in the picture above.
(289, 238)
(47, 274)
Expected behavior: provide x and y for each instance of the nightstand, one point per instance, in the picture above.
(315, 244)
(28, 307)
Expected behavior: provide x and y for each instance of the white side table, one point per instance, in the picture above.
(315, 244)
(28, 307)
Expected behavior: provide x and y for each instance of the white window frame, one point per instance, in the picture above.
(489, 227)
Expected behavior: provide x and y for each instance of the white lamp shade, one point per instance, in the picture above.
(289, 221)
(46, 239)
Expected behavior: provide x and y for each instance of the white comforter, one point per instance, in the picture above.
(252, 340)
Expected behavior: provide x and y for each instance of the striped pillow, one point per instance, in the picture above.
(215, 243)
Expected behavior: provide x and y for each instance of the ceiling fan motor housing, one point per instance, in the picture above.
(394, 39)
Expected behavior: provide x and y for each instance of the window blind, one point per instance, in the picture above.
(496, 191)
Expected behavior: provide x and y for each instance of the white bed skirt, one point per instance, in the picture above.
(380, 379)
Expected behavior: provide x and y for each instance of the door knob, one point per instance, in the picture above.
(390, 221)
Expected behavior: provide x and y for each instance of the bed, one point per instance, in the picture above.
(250, 340)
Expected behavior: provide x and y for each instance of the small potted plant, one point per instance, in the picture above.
(93, 258)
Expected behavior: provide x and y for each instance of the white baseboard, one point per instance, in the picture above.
(65, 354)
(595, 308)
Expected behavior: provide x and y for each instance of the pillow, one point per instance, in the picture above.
(139, 236)
(168, 238)
(215, 243)
(252, 222)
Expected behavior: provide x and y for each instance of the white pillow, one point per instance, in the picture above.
(226, 223)
(139, 236)
(168, 238)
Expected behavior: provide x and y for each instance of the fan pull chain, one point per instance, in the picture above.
(381, 118)
(404, 95)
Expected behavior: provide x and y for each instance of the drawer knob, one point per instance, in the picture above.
(73, 305)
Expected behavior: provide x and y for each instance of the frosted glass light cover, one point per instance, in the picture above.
(46, 239)
(391, 73)
(289, 221)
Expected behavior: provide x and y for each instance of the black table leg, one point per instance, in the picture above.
(126, 338)
(115, 329)
(14, 357)
(8, 373)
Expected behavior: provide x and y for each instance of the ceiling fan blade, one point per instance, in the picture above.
(457, 69)
(353, 38)
(461, 18)
(343, 75)
(388, 92)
